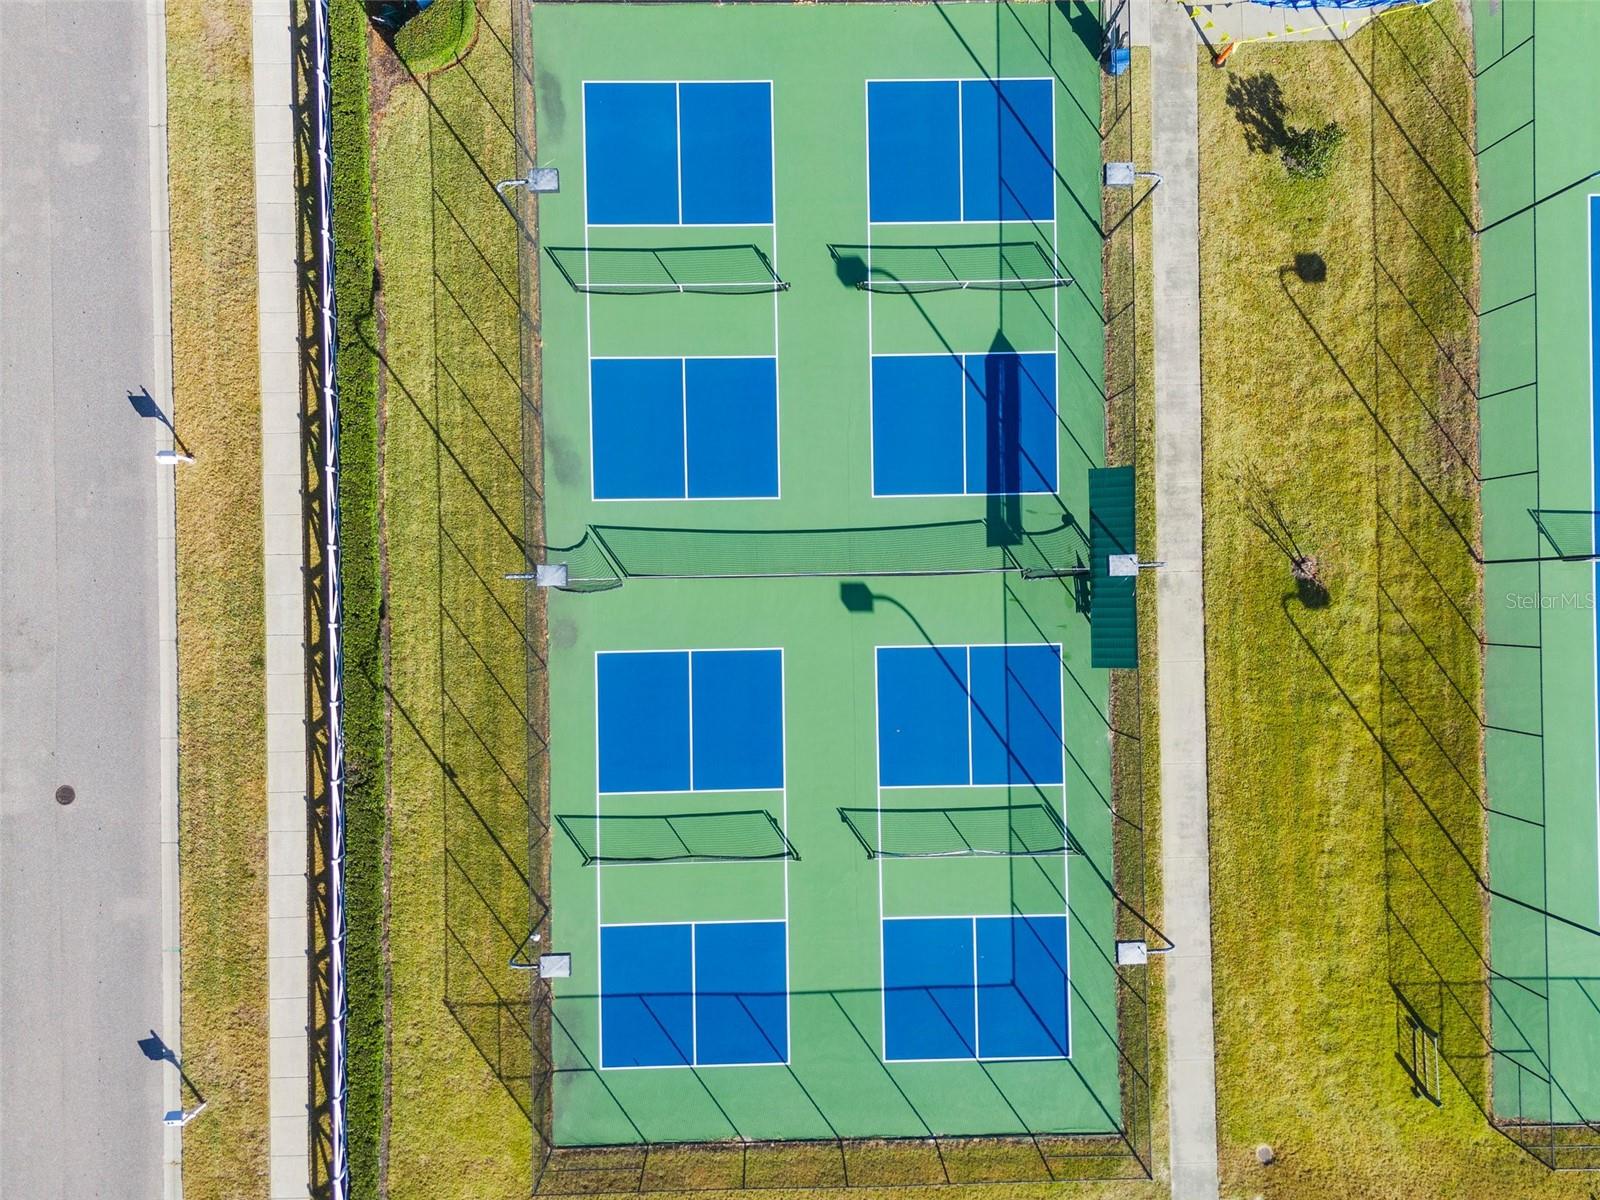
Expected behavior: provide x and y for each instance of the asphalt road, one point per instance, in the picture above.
(80, 885)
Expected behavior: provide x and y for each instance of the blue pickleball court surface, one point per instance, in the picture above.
(967, 424)
(684, 428)
(694, 994)
(961, 150)
(975, 987)
(690, 720)
(678, 153)
(952, 716)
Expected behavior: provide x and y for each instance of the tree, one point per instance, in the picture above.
(1308, 153)
(1266, 514)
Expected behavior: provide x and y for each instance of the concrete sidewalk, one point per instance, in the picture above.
(288, 896)
(1180, 615)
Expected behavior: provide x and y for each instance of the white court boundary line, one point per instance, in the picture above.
(1593, 213)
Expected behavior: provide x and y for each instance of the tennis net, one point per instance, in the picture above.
(978, 266)
(736, 836)
(643, 270)
(945, 548)
(1569, 531)
(1002, 830)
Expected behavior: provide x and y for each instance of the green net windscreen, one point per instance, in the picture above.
(980, 266)
(621, 270)
(952, 832)
(1113, 599)
(676, 837)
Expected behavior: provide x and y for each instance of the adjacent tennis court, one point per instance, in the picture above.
(1540, 445)
(830, 858)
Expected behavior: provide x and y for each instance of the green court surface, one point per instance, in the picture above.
(825, 1068)
(1536, 67)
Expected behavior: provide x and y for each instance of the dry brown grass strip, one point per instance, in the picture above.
(221, 632)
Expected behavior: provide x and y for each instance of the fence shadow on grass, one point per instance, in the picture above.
(1486, 1021)
(1487, 1028)
(486, 728)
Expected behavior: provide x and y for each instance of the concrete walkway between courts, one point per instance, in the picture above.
(1180, 613)
(288, 936)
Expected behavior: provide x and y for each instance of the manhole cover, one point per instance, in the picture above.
(66, 794)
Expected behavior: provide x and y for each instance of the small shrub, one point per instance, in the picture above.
(1308, 153)
(437, 36)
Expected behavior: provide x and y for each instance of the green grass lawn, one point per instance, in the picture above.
(1349, 401)
(221, 624)
(458, 1069)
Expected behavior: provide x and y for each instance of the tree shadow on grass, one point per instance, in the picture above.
(1258, 104)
